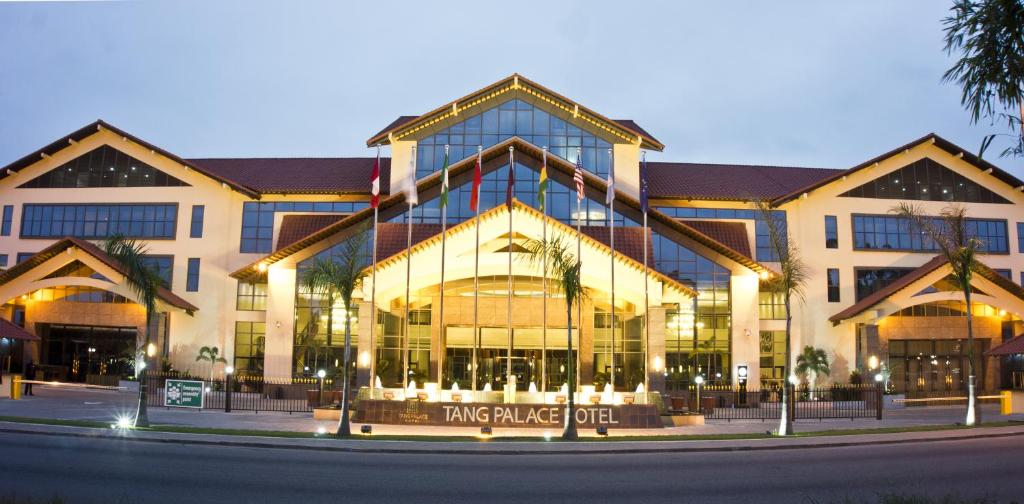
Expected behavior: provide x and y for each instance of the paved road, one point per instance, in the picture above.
(90, 470)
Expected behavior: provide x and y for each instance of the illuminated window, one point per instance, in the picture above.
(104, 166)
(925, 180)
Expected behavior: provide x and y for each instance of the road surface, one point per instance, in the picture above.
(83, 470)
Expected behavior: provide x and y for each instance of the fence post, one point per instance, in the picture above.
(227, 392)
(878, 401)
(791, 404)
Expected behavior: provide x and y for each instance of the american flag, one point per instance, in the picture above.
(577, 176)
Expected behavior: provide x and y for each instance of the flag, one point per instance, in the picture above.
(474, 198)
(408, 183)
(643, 183)
(610, 195)
(511, 177)
(444, 180)
(542, 185)
(577, 176)
(375, 182)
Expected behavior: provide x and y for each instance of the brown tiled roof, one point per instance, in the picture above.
(915, 275)
(397, 123)
(632, 125)
(733, 234)
(297, 227)
(301, 175)
(1013, 347)
(728, 181)
(392, 237)
(92, 249)
(629, 241)
(10, 331)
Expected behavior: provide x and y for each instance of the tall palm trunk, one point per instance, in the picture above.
(344, 429)
(570, 415)
(785, 424)
(972, 418)
(142, 414)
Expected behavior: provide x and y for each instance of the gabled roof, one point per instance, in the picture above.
(300, 175)
(932, 138)
(624, 129)
(90, 248)
(296, 227)
(729, 182)
(499, 151)
(732, 234)
(12, 332)
(98, 125)
(1013, 347)
(906, 280)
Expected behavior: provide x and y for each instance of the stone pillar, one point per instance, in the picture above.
(868, 343)
(367, 347)
(435, 340)
(277, 359)
(656, 349)
(746, 334)
(586, 346)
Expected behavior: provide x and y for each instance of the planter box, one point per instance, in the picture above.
(682, 420)
(326, 414)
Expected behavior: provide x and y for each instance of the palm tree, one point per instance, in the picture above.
(565, 269)
(337, 278)
(788, 282)
(811, 363)
(989, 34)
(211, 355)
(949, 233)
(144, 281)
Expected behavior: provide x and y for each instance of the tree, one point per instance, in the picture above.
(989, 35)
(789, 282)
(143, 281)
(811, 363)
(949, 233)
(337, 278)
(564, 267)
(211, 355)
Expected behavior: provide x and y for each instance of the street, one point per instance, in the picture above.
(88, 470)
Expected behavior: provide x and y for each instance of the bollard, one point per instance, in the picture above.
(16, 388)
(1006, 402)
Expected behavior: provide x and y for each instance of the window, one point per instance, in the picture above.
(1020, 237)
(258, 219)
(163, 265)
(833, 285)
(762, 236)
(251, 296)
(1005, 273)
(512, 118)
(772, 305)
(773, 358)
(831, 232)
(250, 338)
(925, 180)
(78, 294)
(22, 256)
(3, 260)
(893, 232)
(196, 231)
(104, 166)
(762, 240)
(93, 221)
(1021, 273)
(5, 228)
(871, 280)
(192, 277)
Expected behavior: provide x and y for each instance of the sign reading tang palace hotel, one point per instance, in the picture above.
(625, 416)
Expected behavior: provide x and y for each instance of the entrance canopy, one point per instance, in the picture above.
(1012, 347)
(10, 331)
(528, 224)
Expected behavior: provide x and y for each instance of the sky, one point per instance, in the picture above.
(819, 84)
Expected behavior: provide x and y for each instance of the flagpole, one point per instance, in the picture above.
(408, 276)
(579, 257)
(511, 195)
(647, 302)
(476, 266)
(444, 221)
(611, 230)
(544, 281)
(373, 288)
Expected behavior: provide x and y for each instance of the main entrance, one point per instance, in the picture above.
(531, 352)
(78, 352)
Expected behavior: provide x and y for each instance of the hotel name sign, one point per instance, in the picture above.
(626, 416)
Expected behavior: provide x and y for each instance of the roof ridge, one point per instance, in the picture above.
(744, 165)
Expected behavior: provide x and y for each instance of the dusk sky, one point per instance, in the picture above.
(822, 84)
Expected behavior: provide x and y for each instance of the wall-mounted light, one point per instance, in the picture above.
(364, 358)
(873, 362)
(657, 363)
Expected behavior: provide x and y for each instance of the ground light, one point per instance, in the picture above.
(547, 436)
(486, 431)
(122, 422)
(366, 429)
(602, 430)
(320, 431)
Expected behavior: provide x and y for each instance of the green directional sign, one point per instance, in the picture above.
(183, 393)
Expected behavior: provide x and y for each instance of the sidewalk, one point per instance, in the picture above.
(106, 406)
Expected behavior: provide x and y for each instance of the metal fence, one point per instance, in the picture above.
(728, 403)
(251, 393)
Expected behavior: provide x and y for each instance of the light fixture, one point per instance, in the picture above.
(150, 350)
(364, 358)
(486, 430)
(698, 379)
(879, 377)
(320, 431)
(657, 363)
(764, 275)
(229, 370)
(321, 374)
(261, 267)
(602, 430)
(873, 362)
(742, 371)
(366, 429)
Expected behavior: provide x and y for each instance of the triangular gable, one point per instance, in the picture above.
(925, 180)
(103, 166)
(512, 87)
(497, 155)
(933, 139)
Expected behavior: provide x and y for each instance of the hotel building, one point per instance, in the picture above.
(232, 238)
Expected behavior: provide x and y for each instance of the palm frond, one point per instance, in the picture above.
(563, 267)
(794, 273)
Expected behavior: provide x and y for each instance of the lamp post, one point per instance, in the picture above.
(228, 371)
(698, 380)
(741, 373)
(320, 390)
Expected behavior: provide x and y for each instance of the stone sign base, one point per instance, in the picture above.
(414, 412)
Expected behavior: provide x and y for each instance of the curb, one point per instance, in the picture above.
(94, 433)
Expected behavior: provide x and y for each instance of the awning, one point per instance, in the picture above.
(10, 331)
(1012, 347)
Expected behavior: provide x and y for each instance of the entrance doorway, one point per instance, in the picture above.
(528, 355)
(76, 353)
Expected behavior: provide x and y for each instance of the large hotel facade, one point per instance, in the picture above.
(232, 239)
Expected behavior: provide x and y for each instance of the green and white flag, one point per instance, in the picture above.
(444, 179)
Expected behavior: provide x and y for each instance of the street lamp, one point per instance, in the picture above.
(741, 374)
(320, 391)
(698, 380)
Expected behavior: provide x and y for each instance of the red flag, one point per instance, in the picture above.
(375, 183)
(474, 197)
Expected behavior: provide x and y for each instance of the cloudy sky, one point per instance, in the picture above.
(824, 84)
